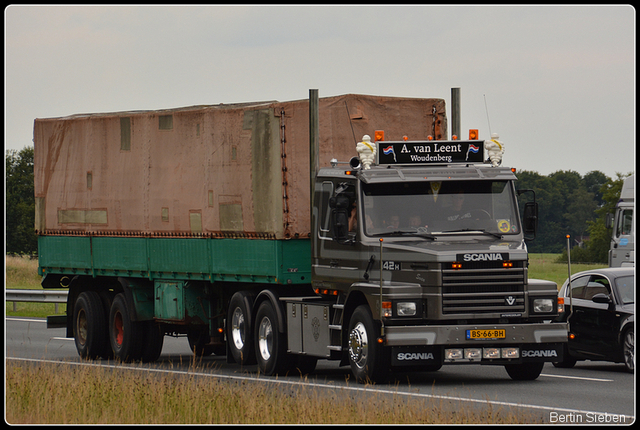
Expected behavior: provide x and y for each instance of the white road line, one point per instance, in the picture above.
(368, 389)
(577, 377)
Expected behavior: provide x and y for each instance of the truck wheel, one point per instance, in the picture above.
(369, 360)
(153, 341)
(124, 334)
(628, 350)
(567, 360)
(270, 344)
(90, 326)
(524, 371)
(239, 330)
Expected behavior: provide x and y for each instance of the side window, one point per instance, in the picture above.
(597, 285)
(578, 287)
(624, 223)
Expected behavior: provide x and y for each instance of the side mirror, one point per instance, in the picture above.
(608, 223)
(530, 219)
(601, 298)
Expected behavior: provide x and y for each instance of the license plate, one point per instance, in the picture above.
(486, 334)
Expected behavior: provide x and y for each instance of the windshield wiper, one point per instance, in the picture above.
(405, 233)
(468, 230)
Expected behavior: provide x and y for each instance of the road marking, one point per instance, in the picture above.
(577, 377)
(367, 389)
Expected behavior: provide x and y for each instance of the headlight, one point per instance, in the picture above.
(543, 306)
(406, 309)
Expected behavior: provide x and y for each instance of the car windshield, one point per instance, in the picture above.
(626, 289)
(440, 207)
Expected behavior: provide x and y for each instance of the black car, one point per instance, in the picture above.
(602, 319)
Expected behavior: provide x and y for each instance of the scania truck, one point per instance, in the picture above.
(258, 231)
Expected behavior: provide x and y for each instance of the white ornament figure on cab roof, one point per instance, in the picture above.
(495, 149)
(367, 151)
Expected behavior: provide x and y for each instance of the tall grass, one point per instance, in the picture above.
(63, 394)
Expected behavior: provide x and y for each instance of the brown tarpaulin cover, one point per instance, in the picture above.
(237, 170)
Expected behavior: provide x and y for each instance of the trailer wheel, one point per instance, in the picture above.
(524, 371)
(124, 334)
(90, 326)
(153, 340)
(270, 344)
(369, 360)
(239, 329)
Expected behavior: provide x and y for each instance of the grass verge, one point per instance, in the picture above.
(63, 394)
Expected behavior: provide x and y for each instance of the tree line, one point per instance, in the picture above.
(569, 204)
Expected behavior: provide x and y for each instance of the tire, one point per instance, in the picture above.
(567, 360)
(239, 329)
(303, 364)
(524, 371)
(124, 334)
(628, 350)
(90, 326)
(270, 344)
(369, 360)
(153, 340)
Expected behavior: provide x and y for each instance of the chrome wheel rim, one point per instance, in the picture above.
(359, 345)
(238, 328)
(265, 339)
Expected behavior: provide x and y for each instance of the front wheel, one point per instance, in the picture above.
(369, 360)
(270, 344)
(524, 371)
(628, 350)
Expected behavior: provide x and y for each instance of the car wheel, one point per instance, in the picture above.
(628, 350)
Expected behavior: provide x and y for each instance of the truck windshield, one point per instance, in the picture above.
(440, 207)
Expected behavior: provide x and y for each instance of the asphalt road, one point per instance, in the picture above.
(589, 393)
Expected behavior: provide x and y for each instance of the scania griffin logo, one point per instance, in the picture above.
(483, 257)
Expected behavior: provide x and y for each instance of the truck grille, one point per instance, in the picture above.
(488, 290)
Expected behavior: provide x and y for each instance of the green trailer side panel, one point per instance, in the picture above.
(119, 254)
(235, 260)
(178, 256)
(64, 252)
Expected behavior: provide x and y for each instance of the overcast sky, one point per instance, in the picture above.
(558, 81)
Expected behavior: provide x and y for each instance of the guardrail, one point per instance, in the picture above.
(37, 296)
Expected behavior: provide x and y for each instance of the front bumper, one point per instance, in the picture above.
(536, 333)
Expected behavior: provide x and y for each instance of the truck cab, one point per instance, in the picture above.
(436, 252)
(622, 249)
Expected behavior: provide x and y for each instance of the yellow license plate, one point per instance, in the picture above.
(486, 334)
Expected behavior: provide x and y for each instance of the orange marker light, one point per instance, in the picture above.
(473, 134)
(378, 135)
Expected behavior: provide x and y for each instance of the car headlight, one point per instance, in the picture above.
(543, 306)
(406, 309)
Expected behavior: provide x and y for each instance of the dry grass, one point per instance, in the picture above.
(64, 394)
